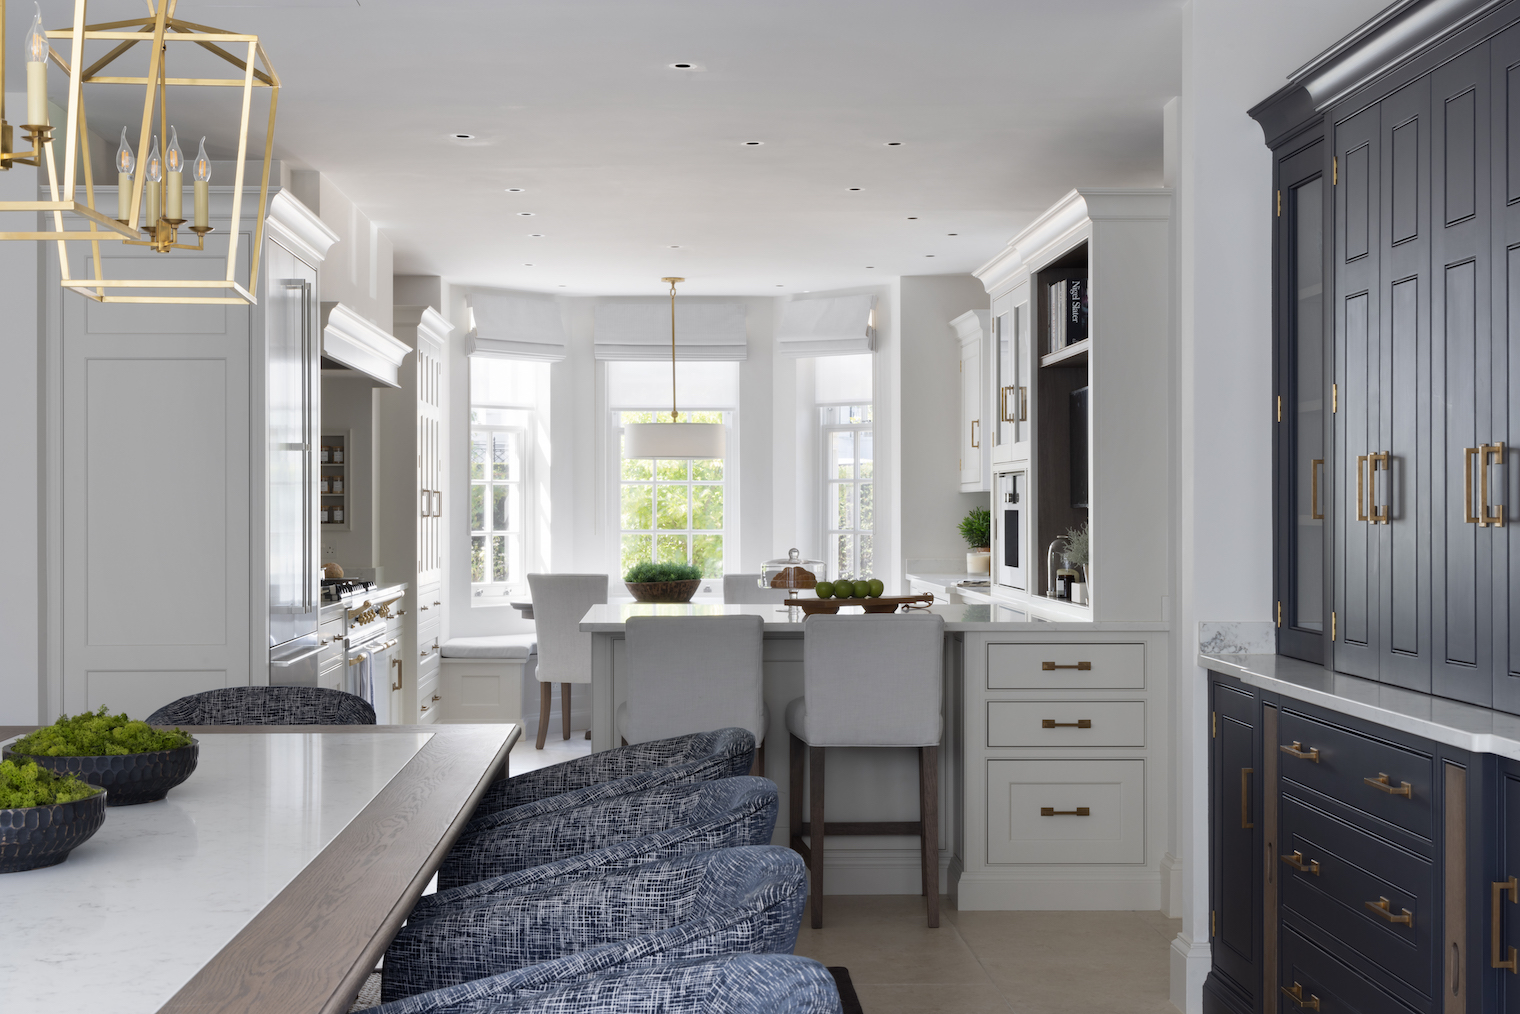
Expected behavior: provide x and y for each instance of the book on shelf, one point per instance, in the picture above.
(1067, 299)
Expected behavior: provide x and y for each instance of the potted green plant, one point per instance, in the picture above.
(663, 582)
(134, 761)
(976, 529)
(1079, 556)
(43, 816)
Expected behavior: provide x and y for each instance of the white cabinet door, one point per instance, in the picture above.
(973, 458)
(1010, 368)
(429, 461)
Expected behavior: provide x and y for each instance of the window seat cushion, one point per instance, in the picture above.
(498, 646)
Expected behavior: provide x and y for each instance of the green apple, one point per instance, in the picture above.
(862, 589)
(877, 587)
(825, 589)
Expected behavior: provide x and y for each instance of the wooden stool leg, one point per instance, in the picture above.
(758, 766)
(923, 867)
(564, 703)
(928, 814)
(815, 761)
(545, 702)
(794, 796)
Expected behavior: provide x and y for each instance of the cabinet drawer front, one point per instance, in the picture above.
(332, 673)
(1066, 723)
(1356, 868)
(1065, 666)
(1316, 973)
(1112, 830)
(1347, 759)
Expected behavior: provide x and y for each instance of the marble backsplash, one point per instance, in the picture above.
(1236, 638)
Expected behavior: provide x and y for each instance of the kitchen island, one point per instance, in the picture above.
(1039, 714)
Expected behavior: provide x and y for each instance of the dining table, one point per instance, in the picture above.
(269, 882)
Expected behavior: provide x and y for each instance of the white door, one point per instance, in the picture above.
(972, 472)
(429, 462)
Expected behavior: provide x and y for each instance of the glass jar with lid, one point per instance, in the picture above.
(791, 572)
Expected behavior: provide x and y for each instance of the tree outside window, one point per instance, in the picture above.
(849, 491)
(671, 510)
(496, 502)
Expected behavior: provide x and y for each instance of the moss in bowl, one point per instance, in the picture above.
(43, 816)
(134, 761)
(663, 582)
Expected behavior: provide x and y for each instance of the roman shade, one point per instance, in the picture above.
(635, 331)
(830, 326)
(516, 327)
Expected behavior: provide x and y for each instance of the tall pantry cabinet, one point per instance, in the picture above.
(413, 508)
(1397, 213)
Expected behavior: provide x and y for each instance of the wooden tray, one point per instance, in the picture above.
(884, 604)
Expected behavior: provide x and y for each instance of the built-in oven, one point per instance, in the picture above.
(374, 663)
(1010, 515)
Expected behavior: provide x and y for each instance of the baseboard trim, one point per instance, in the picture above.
(1191, 964)
(874, 871)
(1173, 870)
(1055, 891)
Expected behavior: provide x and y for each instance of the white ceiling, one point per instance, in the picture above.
(1000, 106)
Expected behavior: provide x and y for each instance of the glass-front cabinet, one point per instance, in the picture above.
(1303, 403)
(1010, 375)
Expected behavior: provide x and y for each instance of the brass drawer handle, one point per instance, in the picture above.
(424, 707)
(1296, 860)
(1051, 811)
(1297, 750)
(1500, 886)
(437, 698)
(1296, 994)
(1381, 907)
(1382, 784)
(1051, 723)
(1051, 666)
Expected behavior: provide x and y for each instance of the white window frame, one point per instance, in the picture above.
(827, 514)
(494, 593)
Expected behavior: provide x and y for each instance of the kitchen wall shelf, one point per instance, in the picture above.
(1072, 355)
(333, 484)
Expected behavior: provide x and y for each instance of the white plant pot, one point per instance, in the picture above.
(979, 562)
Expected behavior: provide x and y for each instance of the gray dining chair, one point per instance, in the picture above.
(564, 653)
(744, 589)
(687, 674)
(868, 681)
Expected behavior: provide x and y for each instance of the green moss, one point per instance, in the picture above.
(97, 734)
(644, 573)
(28, 785)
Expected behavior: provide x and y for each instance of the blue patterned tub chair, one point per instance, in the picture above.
(266, 706)
(701, 757)
(734, 901)
(733, 811)
(736, 984)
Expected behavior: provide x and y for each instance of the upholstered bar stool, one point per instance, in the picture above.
(564, 653)
(744, 589)
(690, 674)
(869, 681)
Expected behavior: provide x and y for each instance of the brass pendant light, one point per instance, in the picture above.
(674, 439)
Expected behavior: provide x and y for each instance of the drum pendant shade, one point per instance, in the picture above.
(673, 440)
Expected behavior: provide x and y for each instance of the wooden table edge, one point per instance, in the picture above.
(245, 976)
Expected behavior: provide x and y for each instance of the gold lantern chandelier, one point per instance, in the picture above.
(149, 185)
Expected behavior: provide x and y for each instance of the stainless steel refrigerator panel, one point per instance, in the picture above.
(292, 402)
(296, 662)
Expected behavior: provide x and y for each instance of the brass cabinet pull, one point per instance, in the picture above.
(1490, 514)
(1051, 666)
(1296, 860)
(1081, 723)
(1051, 811)
(1296, 994)
(1380, 907)
(1361, 508)
(1023, 404)
(1382, 784)
(976, 433)
(1003, 405)
(1314, 512)
(424, 707)
(1296, 749)
(1499, 887)
(1468, 517)
(1378, 514)
(1245, 799)
(399, 671)
(437, 698)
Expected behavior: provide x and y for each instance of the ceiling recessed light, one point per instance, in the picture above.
(894, 144)
(753, 144)
(562, 285)
(514, 190)
(952, 234)
(780, 286)
(526, 214)
(687, 65)
(463, 137)
(928, 255)
(854, 189)
(527, 265)
(680, 66)
(870, 267)
(912, 218)
(674, 246)
(535, 235)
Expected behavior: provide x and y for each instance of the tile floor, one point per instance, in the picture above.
(976, 962)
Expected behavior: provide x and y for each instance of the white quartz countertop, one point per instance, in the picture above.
(134, 912)
(1464, 726)
(961, 618)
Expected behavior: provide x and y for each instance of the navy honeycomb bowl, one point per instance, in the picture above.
(32, 837)
(130, 778)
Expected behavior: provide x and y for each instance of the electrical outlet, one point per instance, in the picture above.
(328, 551)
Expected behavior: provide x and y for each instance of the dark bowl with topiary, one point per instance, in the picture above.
(135, 762)
(663, 582)
(43, 816)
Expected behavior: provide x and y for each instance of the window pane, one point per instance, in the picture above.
(671, 469)
(477, 507)
(672, 507)
(478, 455)
(707, 469)
(867, 506)
(867, 558)
(635, 550)
(499, 508)
(865, 454)
(504, 463)
(842, 492)
(841, 455)
(498, 558)
(636, 507)
(637, 468)
(672, 549)
(707, 553)
(478, 558)
(840, 557)
(707, 507)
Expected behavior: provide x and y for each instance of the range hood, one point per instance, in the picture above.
(353, 345)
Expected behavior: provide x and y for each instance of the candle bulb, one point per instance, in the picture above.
(155, 176)
(36, 73)
(126, 165)
(174, 193)
(202, 187)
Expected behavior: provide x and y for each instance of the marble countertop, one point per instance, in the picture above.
(1464, 726)
(161, 888)
(1037, 605)
(959, 618)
